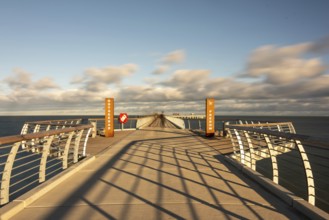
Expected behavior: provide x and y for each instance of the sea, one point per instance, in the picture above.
(316, 126)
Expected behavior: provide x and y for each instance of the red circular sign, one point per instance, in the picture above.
(123, 118)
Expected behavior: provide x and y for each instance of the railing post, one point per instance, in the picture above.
(199, 125)
(189, 124)
(25, 128)
(66, 150)
(85, 143)
(251, 151)
(43, 161)
(76, 146)
(36, 128)
(94, 129)
(242, 155)
(273, 159)
(308, 172)
(232, 141)
(48, 127)
(291, 128)
(5, 182)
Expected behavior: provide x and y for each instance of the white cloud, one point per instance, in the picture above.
(19, 79)
(284, 65)
(174, 57)
(97, 79)
(168, 60)
(22, 80)
(160, 69)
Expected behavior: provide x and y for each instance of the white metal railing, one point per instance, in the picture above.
(99, 123)
(297, 162)
(37, 126)
(30, 159)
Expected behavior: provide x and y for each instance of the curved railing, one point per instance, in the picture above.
(37, 126)
(30, 159)
(297, 162)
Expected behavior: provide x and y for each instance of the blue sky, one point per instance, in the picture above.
(253, 57)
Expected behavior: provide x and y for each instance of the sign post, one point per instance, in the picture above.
(210, 117)
(109, 117)
(123, 118)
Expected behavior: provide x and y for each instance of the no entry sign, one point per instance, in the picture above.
(123, 118)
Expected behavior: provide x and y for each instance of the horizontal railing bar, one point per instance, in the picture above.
(53, 171)
(55, 164)
(19, 166)
(4, 155)
(45, 121)
(5, 147)
(52, 159)
(24, 171)
(261, 125)
(20, 189)
(319, 142)
(103, 119)
(27, 156)
(18, 138)
(22, 180)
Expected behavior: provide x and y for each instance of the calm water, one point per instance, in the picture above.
(313, 126)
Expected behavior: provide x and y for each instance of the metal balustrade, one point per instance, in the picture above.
(37, 126)
(30, 159)
(297, 162)
(99, 123)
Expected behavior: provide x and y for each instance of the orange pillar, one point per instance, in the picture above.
(210, 117)
(109, 117)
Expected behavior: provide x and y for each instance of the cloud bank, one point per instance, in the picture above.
(282, 80)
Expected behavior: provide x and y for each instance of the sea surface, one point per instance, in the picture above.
(312, 126)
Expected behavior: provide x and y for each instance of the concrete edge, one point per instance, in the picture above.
(26, 199)
(285, 195)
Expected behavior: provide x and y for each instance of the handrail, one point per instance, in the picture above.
(30, 136)
(75, 120)
(99, 123)
(30, 159)
(297, 162)
(37, 126)
(318, 141)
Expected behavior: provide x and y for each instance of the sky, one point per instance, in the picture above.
(256, 57)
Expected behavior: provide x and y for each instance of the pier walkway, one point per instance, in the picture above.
(158, 173)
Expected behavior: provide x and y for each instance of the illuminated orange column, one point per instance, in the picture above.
(109, 117)
(210, 117)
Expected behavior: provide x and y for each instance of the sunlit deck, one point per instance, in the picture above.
(158, 173)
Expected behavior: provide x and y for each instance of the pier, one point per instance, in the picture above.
(159, 171)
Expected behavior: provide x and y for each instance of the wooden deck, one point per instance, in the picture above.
(158, 173)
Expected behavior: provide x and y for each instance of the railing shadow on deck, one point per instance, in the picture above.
(297, 162)
(180, 157)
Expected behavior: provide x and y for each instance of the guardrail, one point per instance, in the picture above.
(30, 159)
(297, 162)
(37, 126)
(99, 124)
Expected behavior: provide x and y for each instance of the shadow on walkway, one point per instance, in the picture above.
(160, 175)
